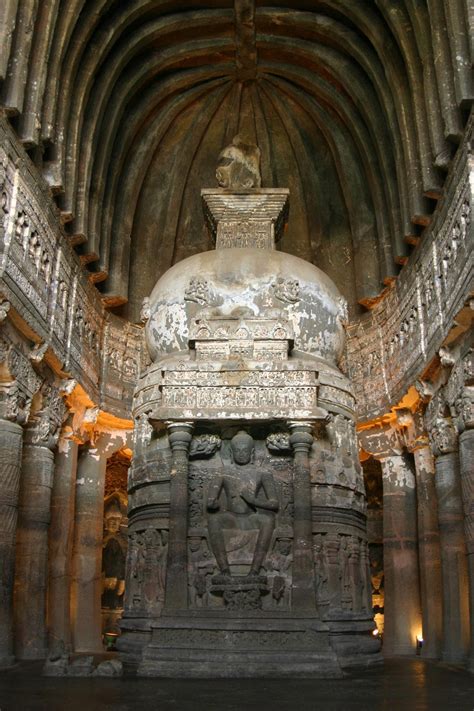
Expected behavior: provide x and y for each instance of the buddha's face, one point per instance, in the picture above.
(242, 449)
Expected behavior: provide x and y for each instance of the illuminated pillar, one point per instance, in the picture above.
(87, 556)
(61, 535)
(402, 592)
(86, 588)
(429, 554)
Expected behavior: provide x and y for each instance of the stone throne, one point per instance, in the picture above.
(248, 549)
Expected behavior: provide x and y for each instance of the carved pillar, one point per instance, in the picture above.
(466, 453)
(461, 390)
(18, 383)
(61, 534)
(451, 528)
(402, 593)
(88, 536)
(303, 590)
(428, 534)
(430, 554)
(176, 592)
(11, 439)
(31, 571)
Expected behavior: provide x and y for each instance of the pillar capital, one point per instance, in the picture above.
(19, 381)
(46, 419)
(382, 442)
(412, 429)
(301, 436)
(439, 423)
(180, 435)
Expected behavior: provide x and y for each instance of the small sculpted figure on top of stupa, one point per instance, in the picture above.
(239, 166)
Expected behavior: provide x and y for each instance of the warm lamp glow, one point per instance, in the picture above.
(375, 632)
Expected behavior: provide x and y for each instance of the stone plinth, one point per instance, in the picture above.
(240, 647)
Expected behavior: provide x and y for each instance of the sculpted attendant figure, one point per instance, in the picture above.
(250, 503)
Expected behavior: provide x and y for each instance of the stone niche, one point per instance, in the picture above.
(247, 551)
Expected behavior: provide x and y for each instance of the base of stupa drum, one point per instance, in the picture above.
(250, 646)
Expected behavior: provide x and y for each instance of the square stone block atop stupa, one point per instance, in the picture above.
(246, 219)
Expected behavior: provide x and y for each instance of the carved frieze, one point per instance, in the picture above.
(389, 349)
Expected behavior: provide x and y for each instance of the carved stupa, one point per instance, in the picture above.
(248, 549)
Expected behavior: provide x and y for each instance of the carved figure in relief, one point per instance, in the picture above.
(280, 564)
(201, 568)
(321, 569)
(155, 555)
(137, 563)
(239, 166)
(287, 290)
(345, 574)
(250, 503)
(113, 559)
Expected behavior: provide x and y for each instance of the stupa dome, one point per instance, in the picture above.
(239, 285)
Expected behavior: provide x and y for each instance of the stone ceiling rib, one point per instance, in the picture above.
(378, 91)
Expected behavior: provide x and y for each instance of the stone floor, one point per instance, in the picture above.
(413, 685)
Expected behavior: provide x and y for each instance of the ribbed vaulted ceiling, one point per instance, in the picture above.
(357, 106)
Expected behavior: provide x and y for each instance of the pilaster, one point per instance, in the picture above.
(303, 592)
(176, 590)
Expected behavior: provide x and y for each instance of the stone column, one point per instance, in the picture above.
(11, 439)
(18, 384)
(453, 558)
(429, 554)
(463, 396)
(31, 570)
(417, 442)
(402, 618)
(87, 551)
(176, 591)
(466, 453)
(402, 621)
(443, 438)
(303, 590)
(61, 534)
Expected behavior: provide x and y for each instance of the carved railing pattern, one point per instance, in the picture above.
(45, 282)
(389, 348)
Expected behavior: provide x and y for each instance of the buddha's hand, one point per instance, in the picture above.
(248, 497)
